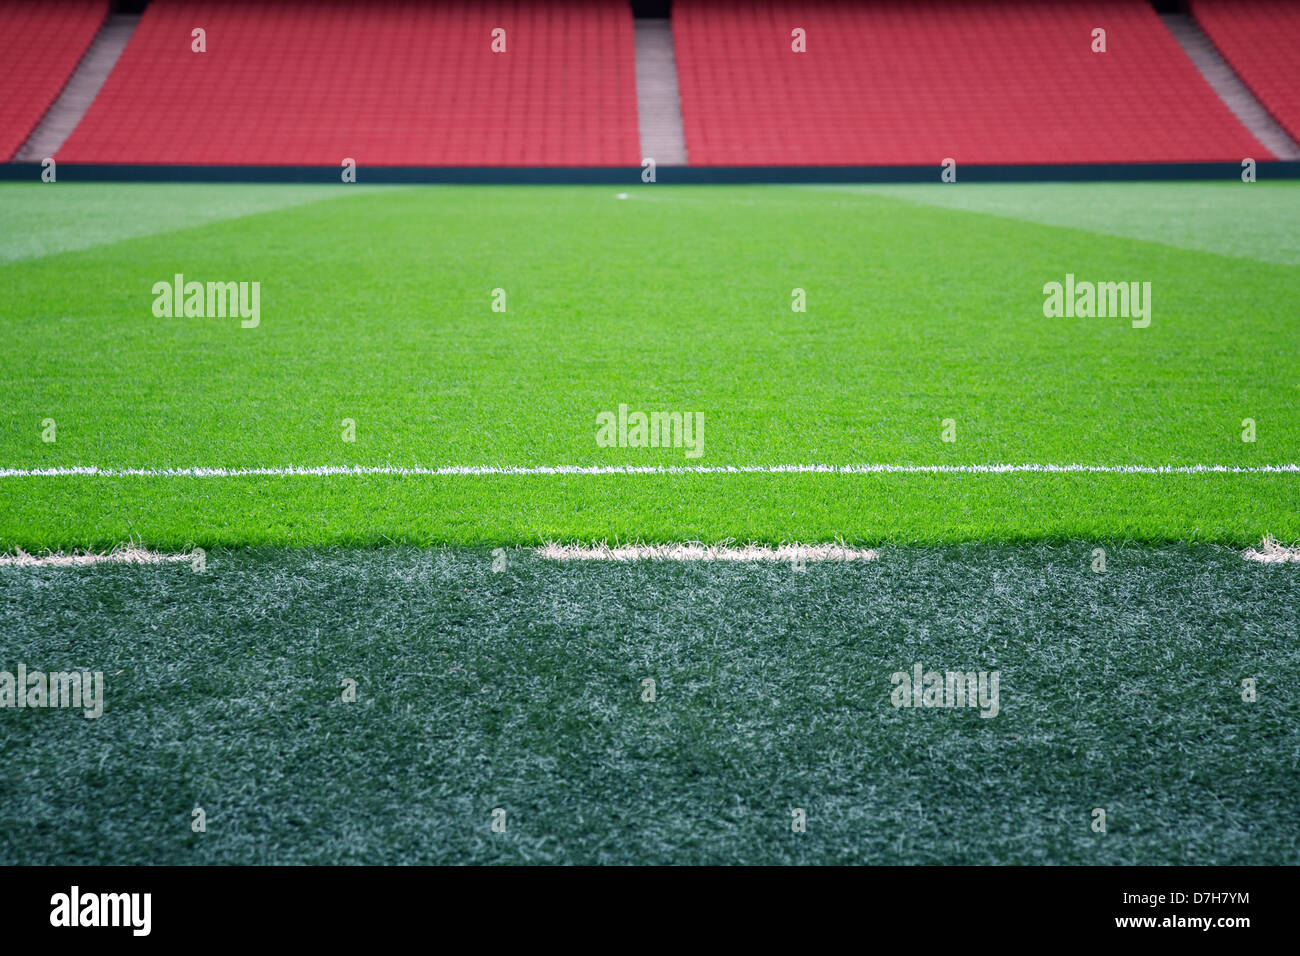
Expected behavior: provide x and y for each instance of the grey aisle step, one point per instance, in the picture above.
(658, 103)
(1201, 50)
(83, 86)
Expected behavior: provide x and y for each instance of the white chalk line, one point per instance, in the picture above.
(326, 471)
(1270, 552)
(126, 555)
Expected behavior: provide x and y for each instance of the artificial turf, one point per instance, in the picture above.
(377, 307)
(521, 689)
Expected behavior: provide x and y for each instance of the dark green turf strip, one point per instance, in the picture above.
(521, 690)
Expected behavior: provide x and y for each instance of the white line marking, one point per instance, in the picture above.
(694, 551)
(122, 556)
(323, 471)
(1270, 552)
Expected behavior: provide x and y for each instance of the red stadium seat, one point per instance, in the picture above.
(40, 47)
(916, 82)
(394, 84)
(1260, 39)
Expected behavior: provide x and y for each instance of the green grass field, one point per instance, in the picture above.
(520, 687)
(376, 306)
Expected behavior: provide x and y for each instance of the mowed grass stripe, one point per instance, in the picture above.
(173, 515)
(40, 220)
(1222, 217)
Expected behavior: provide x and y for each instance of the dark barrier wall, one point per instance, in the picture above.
(668, 175)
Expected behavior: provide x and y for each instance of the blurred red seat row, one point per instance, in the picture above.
(40, 45)
(1012, 81)
(396, 83)
(1260, 39)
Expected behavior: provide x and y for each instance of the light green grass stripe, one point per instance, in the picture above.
(1248, 220)
(42, 219)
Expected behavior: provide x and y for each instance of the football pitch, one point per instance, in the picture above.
(460, 330)
(426, 384)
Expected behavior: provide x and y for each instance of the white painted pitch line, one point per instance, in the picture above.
(21, 558)
(320, 471)
(694, 551)
(1270, 552)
